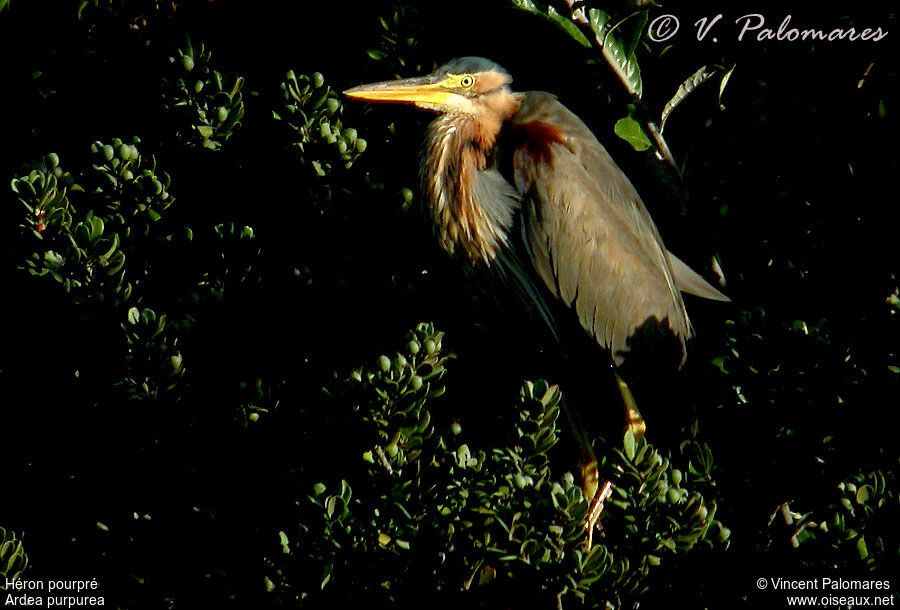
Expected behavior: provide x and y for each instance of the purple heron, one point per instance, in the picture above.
(518, 184)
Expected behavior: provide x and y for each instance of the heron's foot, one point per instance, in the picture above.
(594, 512)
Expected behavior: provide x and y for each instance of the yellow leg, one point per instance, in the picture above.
(590, 476)
(634, 421)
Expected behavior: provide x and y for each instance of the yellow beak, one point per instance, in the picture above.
(423, 92)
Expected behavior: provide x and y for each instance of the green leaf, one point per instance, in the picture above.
(570, 28)
(724, 82)
(685, 89)
(614, 52)
(115, 244)
(863, 494)
(630, 445)
(630, 130)
(285, 543)
(96, 227)
(527, 5)
(643, 17)
(719, 363)
(326, 574)
(345, 491)
(861, 547)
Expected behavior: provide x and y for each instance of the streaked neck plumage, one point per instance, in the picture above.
(472, 205)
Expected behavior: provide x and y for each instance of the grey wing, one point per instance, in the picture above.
(689, 281)
(588, 234)
(501, 203)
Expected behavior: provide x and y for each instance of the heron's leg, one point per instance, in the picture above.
(637, 426)
(587, 459)
(590, 475)
(634, 421)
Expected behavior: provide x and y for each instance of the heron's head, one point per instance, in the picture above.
(467, 86)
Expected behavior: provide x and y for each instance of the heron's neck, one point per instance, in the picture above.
(472, 207)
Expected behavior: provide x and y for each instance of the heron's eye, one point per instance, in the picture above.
(466, 81)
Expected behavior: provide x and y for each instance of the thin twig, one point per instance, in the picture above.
(579, 17)
(383, 458)
(662, 146)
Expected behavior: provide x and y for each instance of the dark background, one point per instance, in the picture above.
(790, 182)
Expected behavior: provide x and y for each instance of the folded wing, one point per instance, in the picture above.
(588, 234)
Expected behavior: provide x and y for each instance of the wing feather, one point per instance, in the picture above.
(689, 281)
(586, 230)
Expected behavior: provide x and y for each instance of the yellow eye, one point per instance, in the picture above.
(466, 81)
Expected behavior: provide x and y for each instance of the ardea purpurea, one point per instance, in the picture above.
(517, 183)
